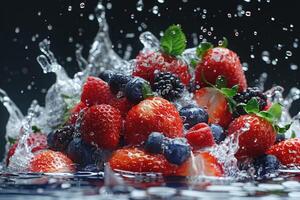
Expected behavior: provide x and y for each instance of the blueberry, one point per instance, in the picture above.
(106, 75)
(218, 133)
(80, 152)
(154, 142)
(193, 115)
(137, 89)
(59, 139)
(118, 82)
(265, 165)
(176, 150)
(280, 138)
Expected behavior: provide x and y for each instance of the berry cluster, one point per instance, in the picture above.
(144, 124)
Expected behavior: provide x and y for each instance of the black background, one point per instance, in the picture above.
(18, 66)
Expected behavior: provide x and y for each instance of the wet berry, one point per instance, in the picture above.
(218, 133)
(266, 164)
(177, 150)
(280, 138)
(118, 82)
(192, 115)
(168, 85)
(244, 97)
(137, 89)
(154, 142)
(106, 75)
(59, 140)
(80, 152)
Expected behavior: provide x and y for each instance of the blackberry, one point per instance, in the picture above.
(244, 97)
(168, 85)
(59, 140)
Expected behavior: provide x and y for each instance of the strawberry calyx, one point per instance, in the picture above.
(205, 46)
(272, 115)
(147, 91)
(221, 86)
(173, 42)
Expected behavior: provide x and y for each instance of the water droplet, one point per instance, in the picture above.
(140, 5)
(247, 1)
(161, 1)
(69, 8)
(255, 33)
(91, 17)
(272, 19)
(229, 15)
(39, 13)
(155, 10)
(288, 53)
(252, 56)
(49, 27)
(82, 5)
(265, 56)
(245, 66)
(294, 66)
(17, 30)
(248, 13)
(109, 5)
(69, 59)
(295, 43)
(274, 62)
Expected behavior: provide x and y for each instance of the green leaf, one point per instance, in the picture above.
(147, 91)
(194, 63)
(174, 41)
(224, 43)
(252, 106)
(35, 129)
(221, 82)
(11, 140)
(230, 92)
(267, 116)
(275, 110)
(293, 135)
(202, 48)
(280, 129)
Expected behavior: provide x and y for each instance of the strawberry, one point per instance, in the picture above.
(259, 137)
(133, 159)
(49, 161)
(148, 63)
(203, 163)
(200, 136)
(216, 104)
(74, 112)
(37, 141)
(95, 91)
(154, 114)
(172, 44)
(122, 104)
(219, 61)
(287, 152)
(101, 126)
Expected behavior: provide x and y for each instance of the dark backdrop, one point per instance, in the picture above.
(273, 26)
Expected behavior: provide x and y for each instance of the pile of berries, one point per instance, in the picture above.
(136, 122)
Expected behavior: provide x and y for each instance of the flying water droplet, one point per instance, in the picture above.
(140, 5)
(265, 56)
(294, 66)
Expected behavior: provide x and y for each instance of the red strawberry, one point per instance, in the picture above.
(216, 105)
(150, 62)
(200, 136)
(287, 152)
(122, 104)
(152, 115)
(255, 141)
(101, 126)
(74, 112)
(95, 91)
(221, 61)
(203, 163)
(37, 141)
(133, 159)
(49, 161)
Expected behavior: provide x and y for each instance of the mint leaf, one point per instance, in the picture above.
(275, 110)
(221, 82)
(265, 115)
(202, 48)
(230, 92)
(11, 140)
(280, 129)
(293, 135)
(147, 91)
(252, 106)
(35, 129)
(174, 41)
(194, 63)
(224, 43)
